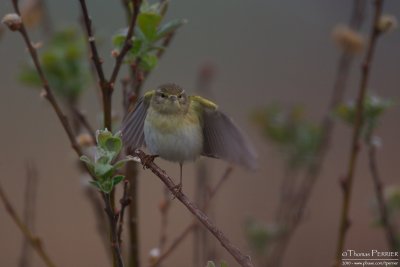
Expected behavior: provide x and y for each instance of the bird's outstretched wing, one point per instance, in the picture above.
(222, 138)
(132, 126)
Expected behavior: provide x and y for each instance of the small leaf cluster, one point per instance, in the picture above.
(261, 235)
(212, 264)
(298, 138)
(373, 107)
(64, 64)
(149, 31)
(107, 149)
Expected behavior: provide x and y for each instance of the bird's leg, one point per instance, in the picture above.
(148, 159)
(178, 187)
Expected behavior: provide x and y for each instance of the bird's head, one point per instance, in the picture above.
(170, 99)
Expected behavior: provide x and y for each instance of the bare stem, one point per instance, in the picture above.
(113, 219)
(84, 122)
(384, 217)
(125, 201)
(29, 210)
(193, 225)
(164, 208)
(127, 43)
(294, 212)
(354, 150)
(242, 259)
(105, 86)
(48, 93)
(33, 240)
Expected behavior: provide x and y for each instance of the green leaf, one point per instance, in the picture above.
(117, 179)
(113, 144)
(103, 171)
(30, 77)
(95, 184)
(170, 27)
(88, 163)
(148, 23)
(118, 40)
(121, 163)
(148, 62)
(107, 186)
(102, 136)
(210, 264)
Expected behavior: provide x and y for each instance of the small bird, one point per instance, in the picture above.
(180, 128)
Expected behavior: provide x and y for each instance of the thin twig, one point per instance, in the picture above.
(131, 172)
(113, 220)
(48, 93)
(84, 122)
(105, 86)
(384, 217)
(195, 222)
(125, 201)
(29, 210)
(242, 259)
(97, 61)
(347, 183)
(102, 229)
(164, 208)
(33, 240)
(127, 42)
(203, 247)
(302, 195)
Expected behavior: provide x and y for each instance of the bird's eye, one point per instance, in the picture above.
(180, 96)
(163, 95)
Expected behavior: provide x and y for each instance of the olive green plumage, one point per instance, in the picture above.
(180, 128)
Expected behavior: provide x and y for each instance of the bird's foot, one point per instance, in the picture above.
(177, 189)
(148, 159)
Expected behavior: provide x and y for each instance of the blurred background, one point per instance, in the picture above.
(261, 53)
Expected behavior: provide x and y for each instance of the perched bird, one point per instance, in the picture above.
(180, 128)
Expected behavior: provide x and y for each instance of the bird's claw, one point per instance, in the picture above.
(177, 189)
(147, 159)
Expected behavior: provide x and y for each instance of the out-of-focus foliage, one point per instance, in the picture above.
(392, 201)
(148, 35)
(260, 235)
(212, 264)
(374, 107)
(298, 138)
(64, 64)
(32, 12)
(108, 148)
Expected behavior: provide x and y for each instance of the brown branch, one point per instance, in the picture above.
(48, 93)
(113, 220)
(242, 259)
(127, 42)
(164, 208)
(384, 217)
(354, 150)
(105, 86)
(84, 122)
(295, 211)
(131, 172)
(29, 210)
(102, 229)
(195, 223)
(97, 61)
(125, 201)
(35, 242)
